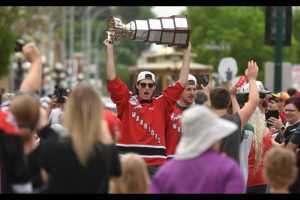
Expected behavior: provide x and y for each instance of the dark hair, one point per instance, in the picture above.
(219, 98)
(242, 99)
(135, 90)
(291, 91)
(295, 101)
(201, 97)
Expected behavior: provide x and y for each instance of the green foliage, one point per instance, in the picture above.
(243, 28)
(7, 44)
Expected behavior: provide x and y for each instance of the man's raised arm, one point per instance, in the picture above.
(110, 64)
(185, 68)
(33, 81)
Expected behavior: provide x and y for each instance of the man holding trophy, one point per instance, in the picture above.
(144, 116)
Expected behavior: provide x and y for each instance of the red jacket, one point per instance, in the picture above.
(143, 125)
(174, 130)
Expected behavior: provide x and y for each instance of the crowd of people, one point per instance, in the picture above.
(192, 138)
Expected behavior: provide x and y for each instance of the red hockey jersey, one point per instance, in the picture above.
(143, 125)
(8, 123)
(174, 130)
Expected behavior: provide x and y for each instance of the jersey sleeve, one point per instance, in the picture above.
(172, 94)
(119, 93)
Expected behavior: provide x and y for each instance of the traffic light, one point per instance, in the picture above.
(270, 25)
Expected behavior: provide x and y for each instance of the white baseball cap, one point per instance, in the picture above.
(146, 75)
(192, 78)
(260, 88)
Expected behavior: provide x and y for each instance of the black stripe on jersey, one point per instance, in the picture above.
(146, 151)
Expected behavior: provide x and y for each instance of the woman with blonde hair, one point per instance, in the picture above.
(262, 142)
(135, 177)
(81, 162)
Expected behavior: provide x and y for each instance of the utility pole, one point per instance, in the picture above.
(278, 48)
(278, 34)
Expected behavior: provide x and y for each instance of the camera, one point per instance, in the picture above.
(19, 45)
(60, 93)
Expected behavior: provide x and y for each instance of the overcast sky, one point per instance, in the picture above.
(165, 11)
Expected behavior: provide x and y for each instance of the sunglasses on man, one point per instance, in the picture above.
(150, 85)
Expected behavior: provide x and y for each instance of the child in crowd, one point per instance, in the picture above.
(280, 169)
(134, 178)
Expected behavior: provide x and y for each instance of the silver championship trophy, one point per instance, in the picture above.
(172, 31)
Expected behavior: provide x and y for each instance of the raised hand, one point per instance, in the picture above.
(31, 52)
(252, 71)
(108, 43)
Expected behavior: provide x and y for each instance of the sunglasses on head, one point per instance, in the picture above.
(150, 85)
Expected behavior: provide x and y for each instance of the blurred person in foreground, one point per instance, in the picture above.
(134, 179)
(198, 166)
(280, 170)
(82, 161)
(15, 176)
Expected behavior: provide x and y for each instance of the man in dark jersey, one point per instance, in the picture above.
(144, 116)
(220, 101)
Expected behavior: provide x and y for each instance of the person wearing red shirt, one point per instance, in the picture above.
(186, 100)
(142, 115)
(262, 143)
(114, 124)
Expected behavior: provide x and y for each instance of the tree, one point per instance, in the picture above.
(240, 27)
(8, 33)
(15, 22)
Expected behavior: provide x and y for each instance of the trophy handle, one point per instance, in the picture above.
(109, 36)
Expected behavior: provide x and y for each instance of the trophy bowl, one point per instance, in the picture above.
(172, 31)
